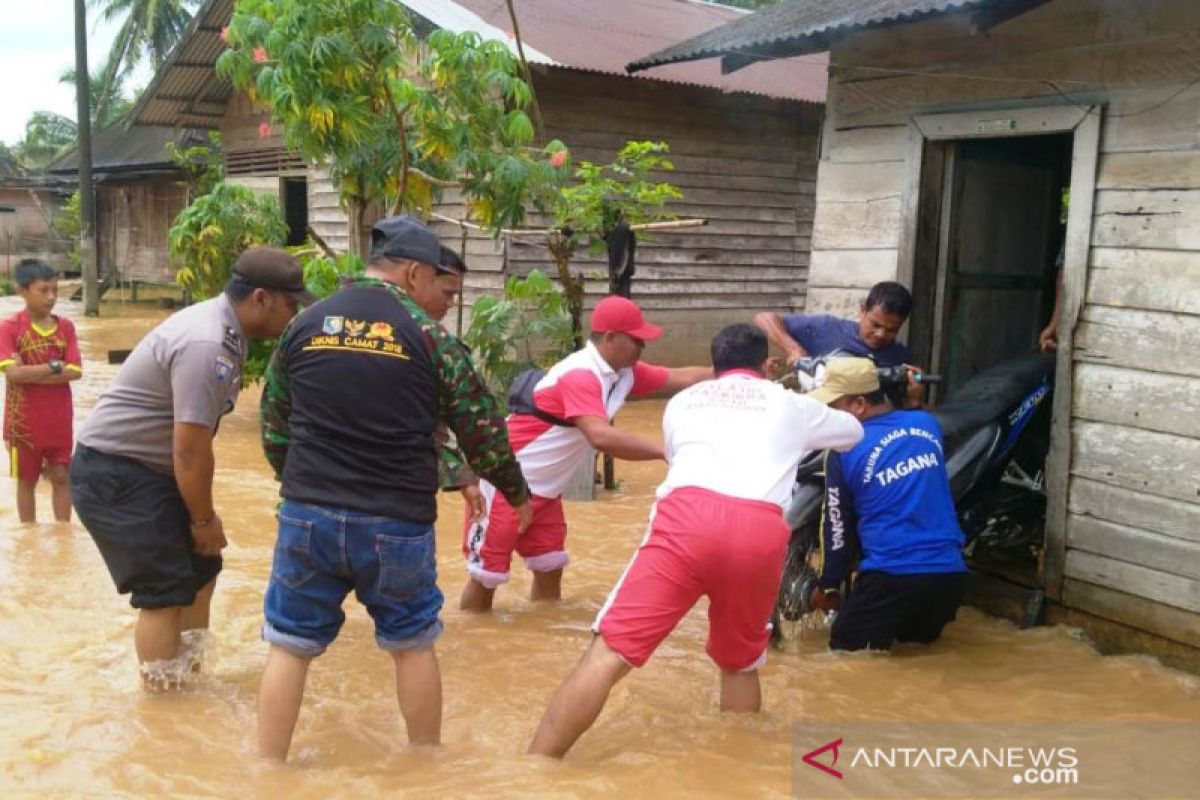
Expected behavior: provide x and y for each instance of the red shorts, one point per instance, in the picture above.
(700, 543)
(489, 545)
(26, 462)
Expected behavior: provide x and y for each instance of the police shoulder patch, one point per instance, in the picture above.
(224, 368)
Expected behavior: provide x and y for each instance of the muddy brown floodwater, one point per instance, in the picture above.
(74, 721)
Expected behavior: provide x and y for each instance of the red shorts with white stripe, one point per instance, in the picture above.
(700, 543)
(489, 545)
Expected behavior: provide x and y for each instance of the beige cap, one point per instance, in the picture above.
(845, 376)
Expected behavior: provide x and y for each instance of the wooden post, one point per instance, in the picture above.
(462, 252)
(87, 199)
(1084, 158)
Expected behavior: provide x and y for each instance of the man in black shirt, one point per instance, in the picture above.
(354, 395)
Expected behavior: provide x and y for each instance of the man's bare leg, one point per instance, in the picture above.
(546, 586)
(419, 690)
(476, 597)
(60, 491)
(196, 615)
(156, 636)
(26, 501)
(279, 697)
(740, 691)
(578, 700)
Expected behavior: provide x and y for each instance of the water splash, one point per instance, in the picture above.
(182, 671)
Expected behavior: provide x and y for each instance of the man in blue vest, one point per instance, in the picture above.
(887, 500)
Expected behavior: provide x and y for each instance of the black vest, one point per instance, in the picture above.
(364, 395)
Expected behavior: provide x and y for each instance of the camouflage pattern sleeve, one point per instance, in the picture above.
(276, 407)
(453, 472)
(470, 411)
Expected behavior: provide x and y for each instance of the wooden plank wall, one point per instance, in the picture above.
(133, 220)
(1133, 534)
(747, 164)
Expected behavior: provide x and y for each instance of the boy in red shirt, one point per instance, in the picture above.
(39, 355)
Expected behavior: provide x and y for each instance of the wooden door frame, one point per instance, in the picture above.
(1083, 122)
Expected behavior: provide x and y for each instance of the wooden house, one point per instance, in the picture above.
(967, 142)
(744, 147)
(139, 192)
(30, 205)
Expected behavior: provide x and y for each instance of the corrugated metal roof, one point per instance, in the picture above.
(186, 91)
(806, 26)
(137, 149)
(604, 35)
(595, 35)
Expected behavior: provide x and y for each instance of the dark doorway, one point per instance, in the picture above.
(991, 230)
(991, 224)
(295, 209)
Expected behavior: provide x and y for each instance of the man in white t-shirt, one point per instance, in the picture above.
(717, 529)
(575, 402)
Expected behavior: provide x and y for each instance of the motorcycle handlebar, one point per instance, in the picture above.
(894, 375)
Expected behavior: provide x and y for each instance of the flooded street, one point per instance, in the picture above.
(76, 723)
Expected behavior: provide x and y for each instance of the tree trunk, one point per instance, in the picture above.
(562, 246)
(355, 211)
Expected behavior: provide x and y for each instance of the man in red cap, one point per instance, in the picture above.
(574, 404)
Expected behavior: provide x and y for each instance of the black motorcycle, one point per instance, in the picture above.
(996, 431)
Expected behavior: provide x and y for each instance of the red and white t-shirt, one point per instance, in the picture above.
(743, 436)
(581, 385)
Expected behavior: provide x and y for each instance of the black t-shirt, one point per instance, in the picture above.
(364, 400)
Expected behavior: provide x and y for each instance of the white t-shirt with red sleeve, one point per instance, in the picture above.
(743, 436)
(581, 385)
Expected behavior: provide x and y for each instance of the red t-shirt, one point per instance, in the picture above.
(35, 413)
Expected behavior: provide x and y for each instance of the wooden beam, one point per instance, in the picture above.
(1085, 157)
(1161, 587)
(988, 123)
(1135, 546)
(910, 210)
(1176, 518)
(1136, 612)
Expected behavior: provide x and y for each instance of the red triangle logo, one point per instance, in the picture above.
(811, 758)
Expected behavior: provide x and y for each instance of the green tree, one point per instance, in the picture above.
(528, 327)
(396, 120)
(601, 196)
(108, 100)
(148, 27)
(211, 233)
(48, 135)
(202, 165)
(67, 224)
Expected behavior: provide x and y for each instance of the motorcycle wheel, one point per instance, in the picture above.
(799, 578)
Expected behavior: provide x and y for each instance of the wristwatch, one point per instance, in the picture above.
(55, 365)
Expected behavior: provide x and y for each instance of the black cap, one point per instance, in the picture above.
(405, 237)
(273, 269)
(449, 261)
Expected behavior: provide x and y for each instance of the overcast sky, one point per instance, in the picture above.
(37, 43)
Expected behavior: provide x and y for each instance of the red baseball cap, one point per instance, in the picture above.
(616, 314)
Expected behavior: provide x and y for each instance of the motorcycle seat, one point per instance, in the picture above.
(966, 460)
(812, 464)
(986, 397)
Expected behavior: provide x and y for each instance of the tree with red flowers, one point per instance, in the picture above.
(395, 119)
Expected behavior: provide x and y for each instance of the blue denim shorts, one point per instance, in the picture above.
(322, 553)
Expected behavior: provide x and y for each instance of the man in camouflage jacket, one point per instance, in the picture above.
(355, 395)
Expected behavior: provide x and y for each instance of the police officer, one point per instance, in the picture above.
(142, 474)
